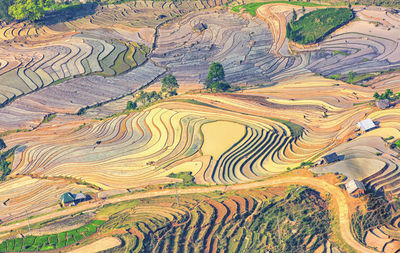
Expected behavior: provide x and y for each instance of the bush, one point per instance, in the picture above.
(131, 105)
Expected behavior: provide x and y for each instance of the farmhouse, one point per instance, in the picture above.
(383, 104)
(366, 125)
(355, 188)
(72, 199)
(331, 158)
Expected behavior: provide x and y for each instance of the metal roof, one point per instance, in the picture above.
(80, 196)
(353, 185)
(67, 197)
(331, 158)
(366, 125)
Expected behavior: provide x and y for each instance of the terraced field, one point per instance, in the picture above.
(229, 222)
(39, 195)
(39, 67)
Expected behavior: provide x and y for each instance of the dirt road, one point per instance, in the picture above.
(336, 193)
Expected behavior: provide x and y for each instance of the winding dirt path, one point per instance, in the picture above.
(336, 193)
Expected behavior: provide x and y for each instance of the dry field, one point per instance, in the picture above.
(290, 114)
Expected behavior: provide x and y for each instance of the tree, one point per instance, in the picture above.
(27, 9)
(131, 105)
(216, 78)
(349, 5)
(294, 17)
(4, 5)
(376, 95)
(303, 9)
(2, 144)
(169, 83)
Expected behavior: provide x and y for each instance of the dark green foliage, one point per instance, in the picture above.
(388, 94)
(4, 5)
(216, 78)
(169, 83)
(2, 144)
(294, 15)
(131, 105)
(4, 164)
(378, 213)
(315, 25)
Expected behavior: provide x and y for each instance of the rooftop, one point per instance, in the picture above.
(383, 103)
(354, 185)
(331, 158)
(366, 125)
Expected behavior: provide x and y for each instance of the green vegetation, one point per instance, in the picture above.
(34, 10)
(378, 213)
(186, 176)
(396, 144)
(216, 78)
(340, 52)
(296, 221)
(388, 94)
(252, 7)
(388, 138)
(49, 118)
(353, 77)
(50, 242)
(2, 144)
(315, 25)
(4, 5)
(5, 163)
(169, 84)
(131, 105)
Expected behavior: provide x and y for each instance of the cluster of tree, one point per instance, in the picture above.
(32, 10)
(388, 94)
(215, 81)
(168, 88)
(315, 25)
(378, 213)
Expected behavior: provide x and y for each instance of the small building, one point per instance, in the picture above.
(72, 199)
(331, 158)
(366, 125)
(355, 188)
(383, 104)
(67, 198)
(79, 198)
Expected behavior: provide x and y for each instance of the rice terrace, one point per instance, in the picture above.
(200, 126)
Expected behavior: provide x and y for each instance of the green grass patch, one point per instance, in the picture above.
(252, 7)
(188, 178)
(314, 26)
(52, 241)
(336, 52)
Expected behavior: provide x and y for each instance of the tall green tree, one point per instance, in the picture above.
(2, 144)
(294, 17)
(169, 83)
(27, 9)
(216, 78)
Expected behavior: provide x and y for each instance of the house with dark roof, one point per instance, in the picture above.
(331, 158)
(72, 199)
(355, 188)
(67, 198)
